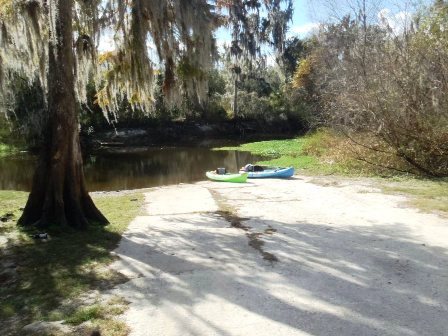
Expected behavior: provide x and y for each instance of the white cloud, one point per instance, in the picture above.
(303, 30)
(397, 22)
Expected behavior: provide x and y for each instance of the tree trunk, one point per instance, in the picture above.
(58, 194)
(235, 100)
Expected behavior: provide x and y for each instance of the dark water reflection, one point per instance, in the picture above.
(134, 168)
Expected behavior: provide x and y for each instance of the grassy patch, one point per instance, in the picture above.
(96, 311)
(11, 205)
(427, 195)
(10, 141)
(287, 152)
(6, 149)
(85, 314)
(322, 152)
(100, 317)
(110, 327)
(64, 267)
(308, 153)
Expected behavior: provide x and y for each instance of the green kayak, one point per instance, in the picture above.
(236, 178)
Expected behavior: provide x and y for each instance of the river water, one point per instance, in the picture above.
(132, 168)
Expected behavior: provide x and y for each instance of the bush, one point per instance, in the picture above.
(387, 91)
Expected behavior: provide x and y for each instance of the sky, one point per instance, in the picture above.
(301, 24)
(307, 13)
(302, 21)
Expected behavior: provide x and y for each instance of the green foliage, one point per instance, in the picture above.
(280, 153)
(322, 152)
(216, 83)
(11, 202)
(28, 114)
(8, 145)
(295, 49)
(101, 317)
(294, 105)
(251, 106)
(85, 314)
(6, 149)
(272, 147)
(91, 116)
(256, 84)
(213, 109)
(186, 70)
(263, 98)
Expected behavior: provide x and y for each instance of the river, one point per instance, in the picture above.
(131, 168)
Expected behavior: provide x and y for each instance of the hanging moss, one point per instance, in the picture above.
(179, 31)
(6, 9)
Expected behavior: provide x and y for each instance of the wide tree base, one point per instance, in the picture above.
(64, 214)
(59, 195)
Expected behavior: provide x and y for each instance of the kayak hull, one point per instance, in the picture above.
(273, 173)
(235, 178)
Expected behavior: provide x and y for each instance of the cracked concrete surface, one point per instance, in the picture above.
(350, 261)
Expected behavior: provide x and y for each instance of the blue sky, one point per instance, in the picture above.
(302, 20)
(307, 14)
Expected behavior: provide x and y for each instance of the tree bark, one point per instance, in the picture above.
(59, 195)
(235, 99)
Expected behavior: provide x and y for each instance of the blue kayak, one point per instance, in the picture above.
(268, 172)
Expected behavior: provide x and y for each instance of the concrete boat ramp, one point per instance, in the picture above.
(283, 257)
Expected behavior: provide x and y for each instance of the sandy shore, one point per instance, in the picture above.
(283, 257)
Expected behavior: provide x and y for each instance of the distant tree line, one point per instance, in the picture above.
(264, 96)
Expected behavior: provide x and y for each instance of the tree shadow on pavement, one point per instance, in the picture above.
(357, 280)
